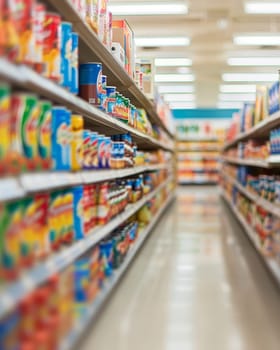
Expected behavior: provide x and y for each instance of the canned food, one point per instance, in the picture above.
(90, 80)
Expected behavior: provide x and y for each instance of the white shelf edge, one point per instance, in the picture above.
(92, 311)
(271, 264)
(249, 162)
(24, 184)
(270, 207)
(14, 292)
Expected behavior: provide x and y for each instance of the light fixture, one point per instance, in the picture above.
(230, 105)
(172, 62)
(237, 97)
(257, 40)
(173, 78)
(250, 77)
(162, 41)
(182, 105)
(179, 97)
(148, 8)
(238, 88)
(254, 61)
(266, 8)
(169, 89)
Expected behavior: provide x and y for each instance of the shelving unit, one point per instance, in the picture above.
(196, 165)
(262, 129)
(94, 309)
(270, 207)
(270, 262)
(12, 293)
(93, 50)
(13, 188)
(250, 162)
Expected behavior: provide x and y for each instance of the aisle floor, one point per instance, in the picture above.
(197, 284)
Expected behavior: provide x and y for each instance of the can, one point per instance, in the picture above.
(66, 54)
(61, 138)
(51, 46)
(77, 125)
(90, 81)
(74, 86)
(25, 24)
(39, 18)
(44, 133)
(5, 122)
(111, 99)
(78, 212)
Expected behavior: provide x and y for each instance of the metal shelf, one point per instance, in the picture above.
(12, 188)
(262, 129)
(197, 139)
(270, 263)
(249, 162)
(91, 49)
(92, 311)
(12, 293)
(101, 121)
(270, 207)
(198, 149)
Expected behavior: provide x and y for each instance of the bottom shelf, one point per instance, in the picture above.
(197, 182)
(270, 263)
(93, 310)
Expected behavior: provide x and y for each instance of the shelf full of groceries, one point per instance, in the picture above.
(250, 172)
(86, 166)
(198, 146)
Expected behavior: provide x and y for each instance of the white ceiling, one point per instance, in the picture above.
(210, 24)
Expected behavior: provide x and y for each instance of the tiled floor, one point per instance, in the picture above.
(196, 285)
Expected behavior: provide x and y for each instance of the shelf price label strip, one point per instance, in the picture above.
(12, 293)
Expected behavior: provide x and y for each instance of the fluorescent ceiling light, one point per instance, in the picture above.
(148, 8)
(165, 89)
(173, 78)
(237, 97)
(182, 105)
(172, 62)
(230, 105)
(254, 61)
(259, 40)
(250, 77)
(266, 8)
(160, 41)
(238, 88)
(179, 97)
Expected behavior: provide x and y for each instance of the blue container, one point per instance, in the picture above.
(90, 81)
(74, 86)
(66, 54)
(103, 106)
(106, 252)
(111, 99)
(78, 212)
(61, 138)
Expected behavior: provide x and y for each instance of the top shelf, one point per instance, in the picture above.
(262, 129)
(91, 49)
(25, 77)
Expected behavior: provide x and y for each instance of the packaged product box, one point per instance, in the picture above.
(147, 68)
(261, 106)
(103, 25)
(123, 34)
(274, 98)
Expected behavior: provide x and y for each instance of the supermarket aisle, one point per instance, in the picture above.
(195, 285)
